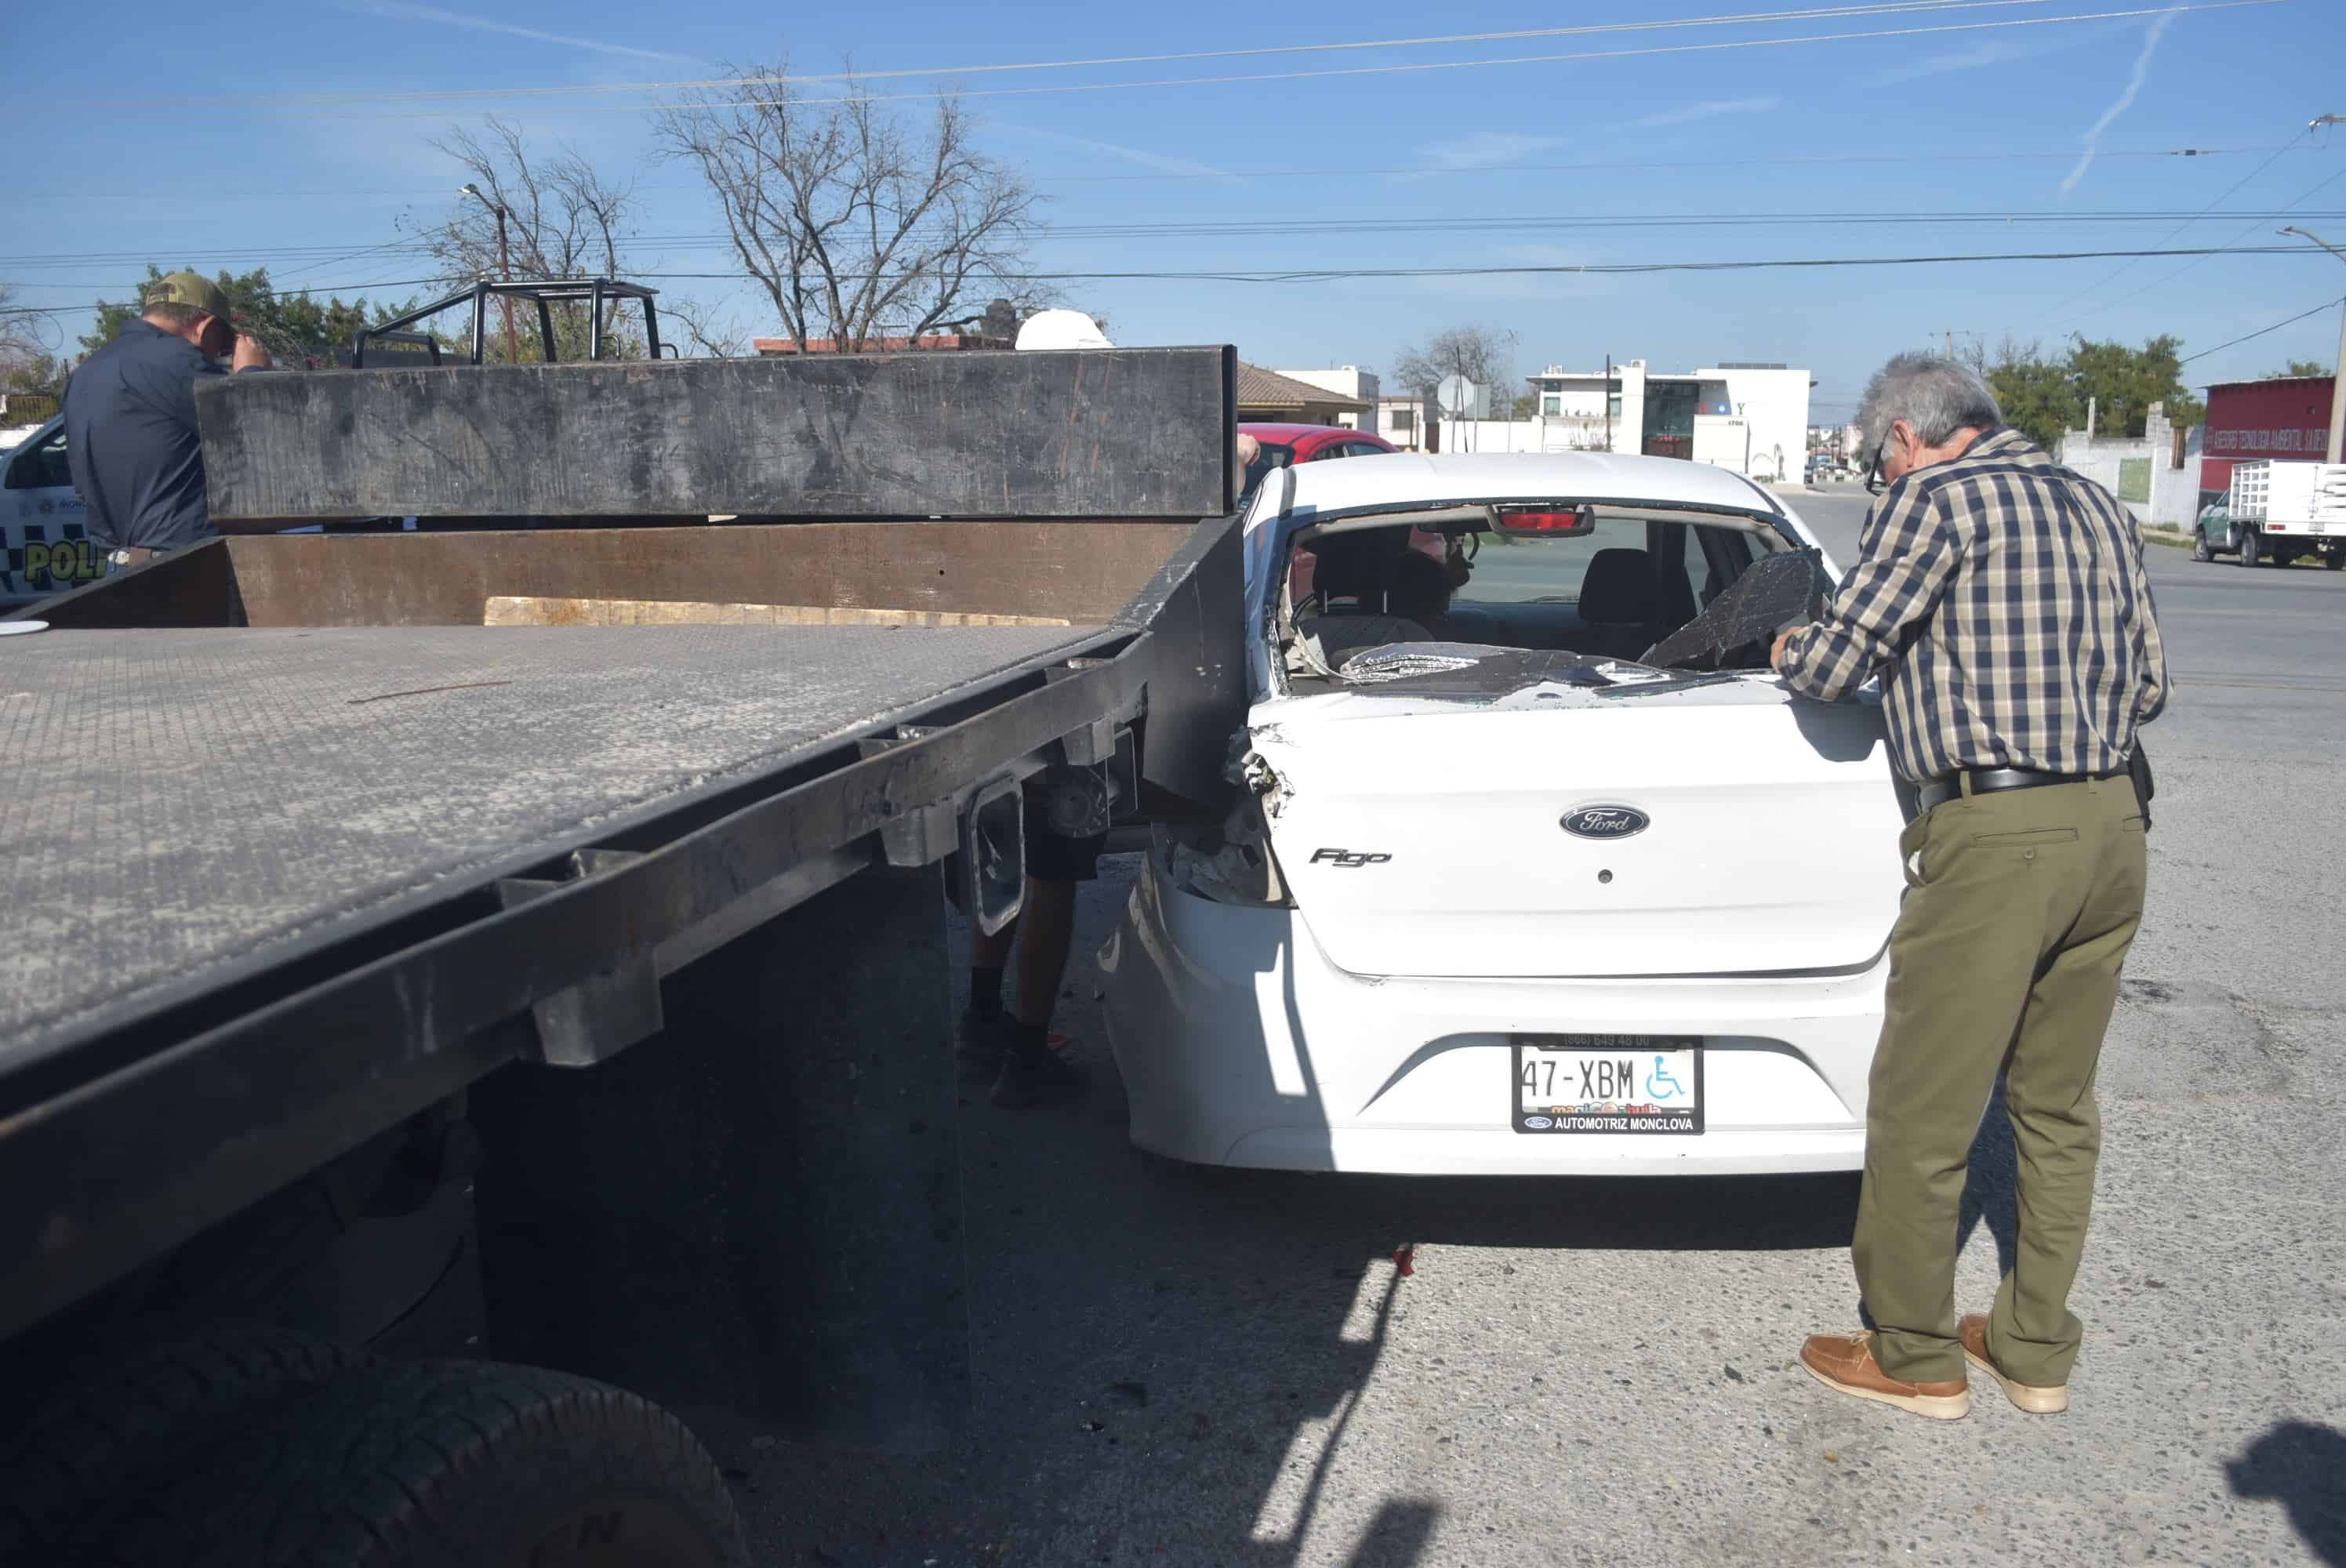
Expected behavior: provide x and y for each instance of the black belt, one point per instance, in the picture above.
(1987, 781)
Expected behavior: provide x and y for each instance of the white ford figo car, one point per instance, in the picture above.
(1554, 877)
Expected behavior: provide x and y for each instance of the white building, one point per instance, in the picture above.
(1344, 381)
(1752, 418)
(1406, 420)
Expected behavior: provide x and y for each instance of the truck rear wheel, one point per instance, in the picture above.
(2252, 549)
(134, 1421)
(450, 1465)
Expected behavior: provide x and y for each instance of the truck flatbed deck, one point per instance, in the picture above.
(185, 806)
(538, 914)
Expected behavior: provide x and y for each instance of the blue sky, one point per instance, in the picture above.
(285, 127)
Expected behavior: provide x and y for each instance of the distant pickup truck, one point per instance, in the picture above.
(2279, 512)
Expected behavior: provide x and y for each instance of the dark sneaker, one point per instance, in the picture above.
(1030, 1077)
(980, 1044)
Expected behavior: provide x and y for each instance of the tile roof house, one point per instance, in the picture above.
(776, 348)
(1266, 397)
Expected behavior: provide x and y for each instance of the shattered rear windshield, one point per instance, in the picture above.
(1573, 597)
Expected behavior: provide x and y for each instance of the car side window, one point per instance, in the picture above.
(41, 467)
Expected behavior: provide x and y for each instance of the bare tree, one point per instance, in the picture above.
(32, 378)
(856, 223)
(562, 219)
(1482, 355)
(694, 323)
(21, 346)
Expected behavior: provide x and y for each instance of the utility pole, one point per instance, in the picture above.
(2336, 450)
(1608, 403)
(505, 266)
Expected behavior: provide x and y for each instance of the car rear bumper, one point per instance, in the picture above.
(1240, 1045)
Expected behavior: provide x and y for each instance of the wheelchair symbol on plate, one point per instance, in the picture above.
(1661, 1084)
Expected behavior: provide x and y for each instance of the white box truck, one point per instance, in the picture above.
(2277, 512)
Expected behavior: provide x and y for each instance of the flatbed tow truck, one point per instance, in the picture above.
(550, 921)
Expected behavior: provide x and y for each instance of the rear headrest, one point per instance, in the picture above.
(1347, 566)
(1617, 590)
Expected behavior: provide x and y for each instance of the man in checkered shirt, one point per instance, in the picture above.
(2002, 602)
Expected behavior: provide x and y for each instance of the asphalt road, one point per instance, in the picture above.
(1187, 1367)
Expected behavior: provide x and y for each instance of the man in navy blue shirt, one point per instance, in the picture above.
(130, 419)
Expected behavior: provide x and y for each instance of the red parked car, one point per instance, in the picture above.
(1285, 445)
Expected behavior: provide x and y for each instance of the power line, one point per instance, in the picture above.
(1329, 274)
(2118, 272)
(20, 198)
(2243, 234)
(1248, 78)
(2064, 155)
(2260, 332)
(1249, 229)
(1748, 18)
(1591, 268)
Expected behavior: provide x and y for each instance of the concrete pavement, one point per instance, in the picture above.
(1187, 1367)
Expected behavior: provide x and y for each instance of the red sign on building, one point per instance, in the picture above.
(2286, 419)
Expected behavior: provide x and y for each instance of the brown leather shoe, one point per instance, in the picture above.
(2036, 1399)
(1845, 1362)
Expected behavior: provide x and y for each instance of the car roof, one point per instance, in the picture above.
(1294, 432)
(1416, 478)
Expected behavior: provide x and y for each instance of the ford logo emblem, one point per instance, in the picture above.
(1604, 822)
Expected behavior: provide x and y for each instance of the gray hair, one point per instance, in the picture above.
(1936, 396)
(171, 314)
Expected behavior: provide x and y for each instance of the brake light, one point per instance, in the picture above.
(1544, 520)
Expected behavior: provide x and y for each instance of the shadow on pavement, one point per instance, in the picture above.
(2303, 1466)
(1168, 1356)
(1991, 1189)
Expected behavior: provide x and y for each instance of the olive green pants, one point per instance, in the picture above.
(2020, 905)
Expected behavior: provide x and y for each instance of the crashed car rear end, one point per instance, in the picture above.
(1535, 867)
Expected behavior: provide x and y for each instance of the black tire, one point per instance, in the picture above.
(135, 1421)
(449, 1464)
(2200, 551)
(2252, 549)
(2332, 560)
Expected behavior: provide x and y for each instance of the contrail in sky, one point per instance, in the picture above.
(2150, 37)
(399, 11)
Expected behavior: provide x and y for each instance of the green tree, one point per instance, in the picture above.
(2035, 394)
(2298, 368)
(298, 329)
(2122, 384)
(2043, 397)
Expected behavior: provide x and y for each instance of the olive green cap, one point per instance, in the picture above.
(192, 289)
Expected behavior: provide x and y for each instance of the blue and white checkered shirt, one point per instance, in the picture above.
(2004, 602)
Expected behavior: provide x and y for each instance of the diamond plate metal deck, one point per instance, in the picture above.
(175, 805)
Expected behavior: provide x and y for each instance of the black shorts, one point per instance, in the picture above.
(1051, 856)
